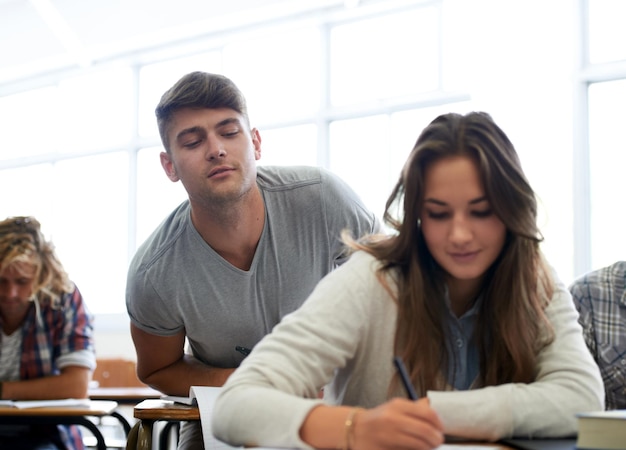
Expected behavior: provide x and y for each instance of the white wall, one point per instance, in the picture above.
(112, 336)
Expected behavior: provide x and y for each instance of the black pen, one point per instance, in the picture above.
(243, 350)
(404, 376)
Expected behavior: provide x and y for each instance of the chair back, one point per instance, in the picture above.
(116, 372)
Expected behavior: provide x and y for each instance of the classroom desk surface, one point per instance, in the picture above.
(124, 394)
(95, 408)
(65, 415)
(154, 409)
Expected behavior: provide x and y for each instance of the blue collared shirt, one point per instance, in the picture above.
(463, 356)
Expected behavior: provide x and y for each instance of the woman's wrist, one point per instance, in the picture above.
(350, 425)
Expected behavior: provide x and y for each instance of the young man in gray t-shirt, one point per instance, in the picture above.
(245, 249)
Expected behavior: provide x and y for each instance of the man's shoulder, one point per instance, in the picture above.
(618, 269)
(163, 237)
(288, 177)
(605, 284)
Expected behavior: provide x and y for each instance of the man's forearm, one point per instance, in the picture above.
(177, 378)
(72, 384)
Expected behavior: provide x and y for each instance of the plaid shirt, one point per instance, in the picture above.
(600, 298)
(58, 332)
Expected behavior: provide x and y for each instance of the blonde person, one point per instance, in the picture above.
(461, 293)
(46, 343)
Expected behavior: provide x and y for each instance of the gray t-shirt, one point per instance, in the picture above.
(177, 281)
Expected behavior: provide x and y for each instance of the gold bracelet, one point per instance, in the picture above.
(349, 427)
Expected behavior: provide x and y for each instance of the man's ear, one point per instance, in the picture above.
(168, 166)
(256, 141)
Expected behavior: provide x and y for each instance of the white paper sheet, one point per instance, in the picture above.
(206, 395)
(22, 404)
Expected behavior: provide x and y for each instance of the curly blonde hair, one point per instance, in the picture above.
(22, 242)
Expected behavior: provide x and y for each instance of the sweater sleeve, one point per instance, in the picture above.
(568, 382)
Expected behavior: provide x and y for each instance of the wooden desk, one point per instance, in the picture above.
(65, 415)
(127, 395)
(152, 410)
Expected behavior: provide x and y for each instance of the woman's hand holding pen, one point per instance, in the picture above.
(398, 424)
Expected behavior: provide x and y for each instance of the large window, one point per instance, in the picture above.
(602, 151)
(349, 89)
(607, 162)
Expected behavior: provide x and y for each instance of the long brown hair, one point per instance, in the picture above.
(22, 242)
(512, 325)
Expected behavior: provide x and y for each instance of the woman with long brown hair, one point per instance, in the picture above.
(460, 292)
